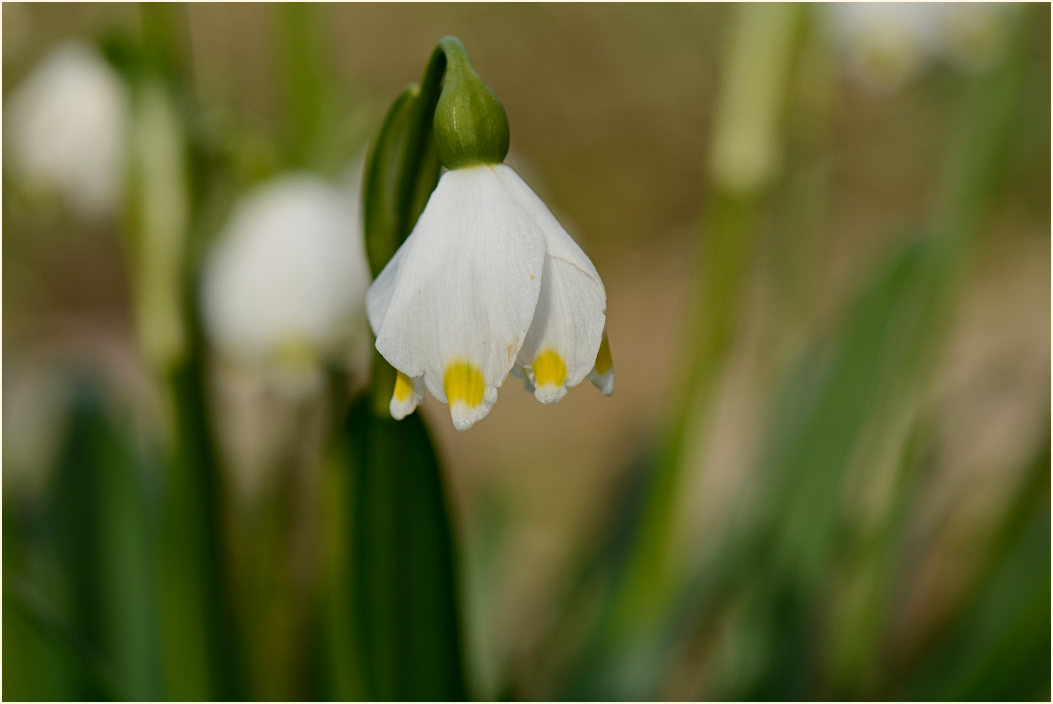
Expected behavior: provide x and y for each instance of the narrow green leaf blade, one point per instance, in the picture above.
(407, 619)
(401, 172)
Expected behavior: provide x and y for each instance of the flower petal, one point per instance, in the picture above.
(561, 345)
(563, 339)
(378, 297)
(406, 396)
(558, 243)
(519, 373)
(602, 375)
(465, 292)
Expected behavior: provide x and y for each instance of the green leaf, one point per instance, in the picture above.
(202, 657)
(49, 660)
(96, 608)
(998, 644)
(406, 613)
(401, 172)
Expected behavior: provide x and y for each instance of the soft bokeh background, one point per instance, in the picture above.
(614, 120)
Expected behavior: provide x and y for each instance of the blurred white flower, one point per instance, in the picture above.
(488, 281)
(884, 44)
(65, 129)
(887, 44)
(284, 286)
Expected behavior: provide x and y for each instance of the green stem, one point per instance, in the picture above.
(161, 40)
(308, 99)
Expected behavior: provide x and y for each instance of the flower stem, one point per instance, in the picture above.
(308, 99)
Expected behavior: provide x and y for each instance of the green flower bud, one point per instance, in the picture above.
(470, 123)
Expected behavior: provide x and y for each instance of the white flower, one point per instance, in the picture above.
(284, 285)
(488, 280)
(887, 44)
(66, 126)
(884, 44)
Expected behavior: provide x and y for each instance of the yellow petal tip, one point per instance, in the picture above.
(463, 383)
(549, 369)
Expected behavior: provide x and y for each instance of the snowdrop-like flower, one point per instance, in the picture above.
(488, 281)
(283, 287)
(887, 44)
(884, 45)
(65, 127)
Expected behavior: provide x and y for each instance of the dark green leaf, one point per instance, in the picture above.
(406, 611)
(401, 172)
(998, 644)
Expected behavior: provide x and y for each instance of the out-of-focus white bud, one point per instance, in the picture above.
(884, 44)
(887, 44)
(284, 287)
(65, 129)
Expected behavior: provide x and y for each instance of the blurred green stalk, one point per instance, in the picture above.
(744, 159)
(201, 656)
(309, 100)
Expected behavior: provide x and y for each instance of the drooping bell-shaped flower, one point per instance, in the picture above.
(283, 287)
(488, 281)
(66, 127)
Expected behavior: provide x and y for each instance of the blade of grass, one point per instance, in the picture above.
(58, 644)
(98, 603)
(997, 647)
